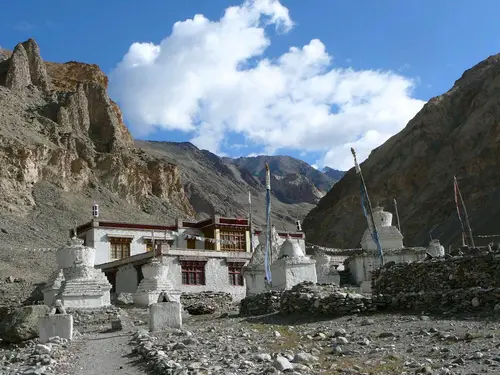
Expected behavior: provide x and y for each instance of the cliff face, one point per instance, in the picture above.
(61, 133)
(456, 133)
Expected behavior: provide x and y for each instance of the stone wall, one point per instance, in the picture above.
(308, 298)
(261, 304)
(324, 299)
(220, 301)
(458, 284)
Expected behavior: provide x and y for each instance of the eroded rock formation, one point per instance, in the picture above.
(58, 125)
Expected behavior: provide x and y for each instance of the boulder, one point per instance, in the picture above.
(124, 299)
(200, 309)
(22, 324)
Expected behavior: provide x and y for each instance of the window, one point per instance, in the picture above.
(235, 274)
(209, 235)
(191, 243)
(193, 273)
(120, 247)
(237, 241)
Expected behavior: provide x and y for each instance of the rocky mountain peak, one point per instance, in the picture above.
(26, 68)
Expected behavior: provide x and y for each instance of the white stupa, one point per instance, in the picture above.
(292, 266)
(389, 236)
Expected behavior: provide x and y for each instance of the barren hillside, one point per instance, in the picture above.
(456, 133)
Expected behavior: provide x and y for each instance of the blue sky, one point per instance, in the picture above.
(425, 44)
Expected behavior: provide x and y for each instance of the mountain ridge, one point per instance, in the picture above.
(455, 133)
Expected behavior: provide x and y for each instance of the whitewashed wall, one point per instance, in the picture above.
(287, 273)
(216, 273)
(98, 238)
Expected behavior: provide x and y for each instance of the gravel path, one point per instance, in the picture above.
(105, 353)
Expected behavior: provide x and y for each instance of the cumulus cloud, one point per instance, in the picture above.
(211, 79)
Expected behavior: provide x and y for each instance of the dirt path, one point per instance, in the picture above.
(105, 353)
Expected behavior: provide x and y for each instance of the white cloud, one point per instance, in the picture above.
(211, 78)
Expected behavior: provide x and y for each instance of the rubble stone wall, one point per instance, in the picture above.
(326, 299)
(444, 274)
(219, 300)
(308, 298)
(261, 304)
(458, 284)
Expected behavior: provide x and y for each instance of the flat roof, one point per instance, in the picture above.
(221, 221)
(217, 220)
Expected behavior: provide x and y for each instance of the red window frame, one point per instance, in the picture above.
(193, 273)
(235, 274)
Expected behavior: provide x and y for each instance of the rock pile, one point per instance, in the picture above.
(323, 299)
(261, 304)
(206, 302)
(34, 358)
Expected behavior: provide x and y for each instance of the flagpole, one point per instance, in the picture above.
(465, 212)
(153, 244)
(370, 211)
(397, 214)
(268, 254)
(455, 191)
(250, 219)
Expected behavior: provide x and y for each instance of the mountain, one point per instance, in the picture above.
(292, 180)
(456, 133)
(64, 146)
(334, 174)
(221, 185)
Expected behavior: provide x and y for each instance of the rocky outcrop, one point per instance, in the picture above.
(37, 70)
(18, 74)
(454, 134)
(75, 138)
(26, 68)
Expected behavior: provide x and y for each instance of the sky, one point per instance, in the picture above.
(309, 79)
